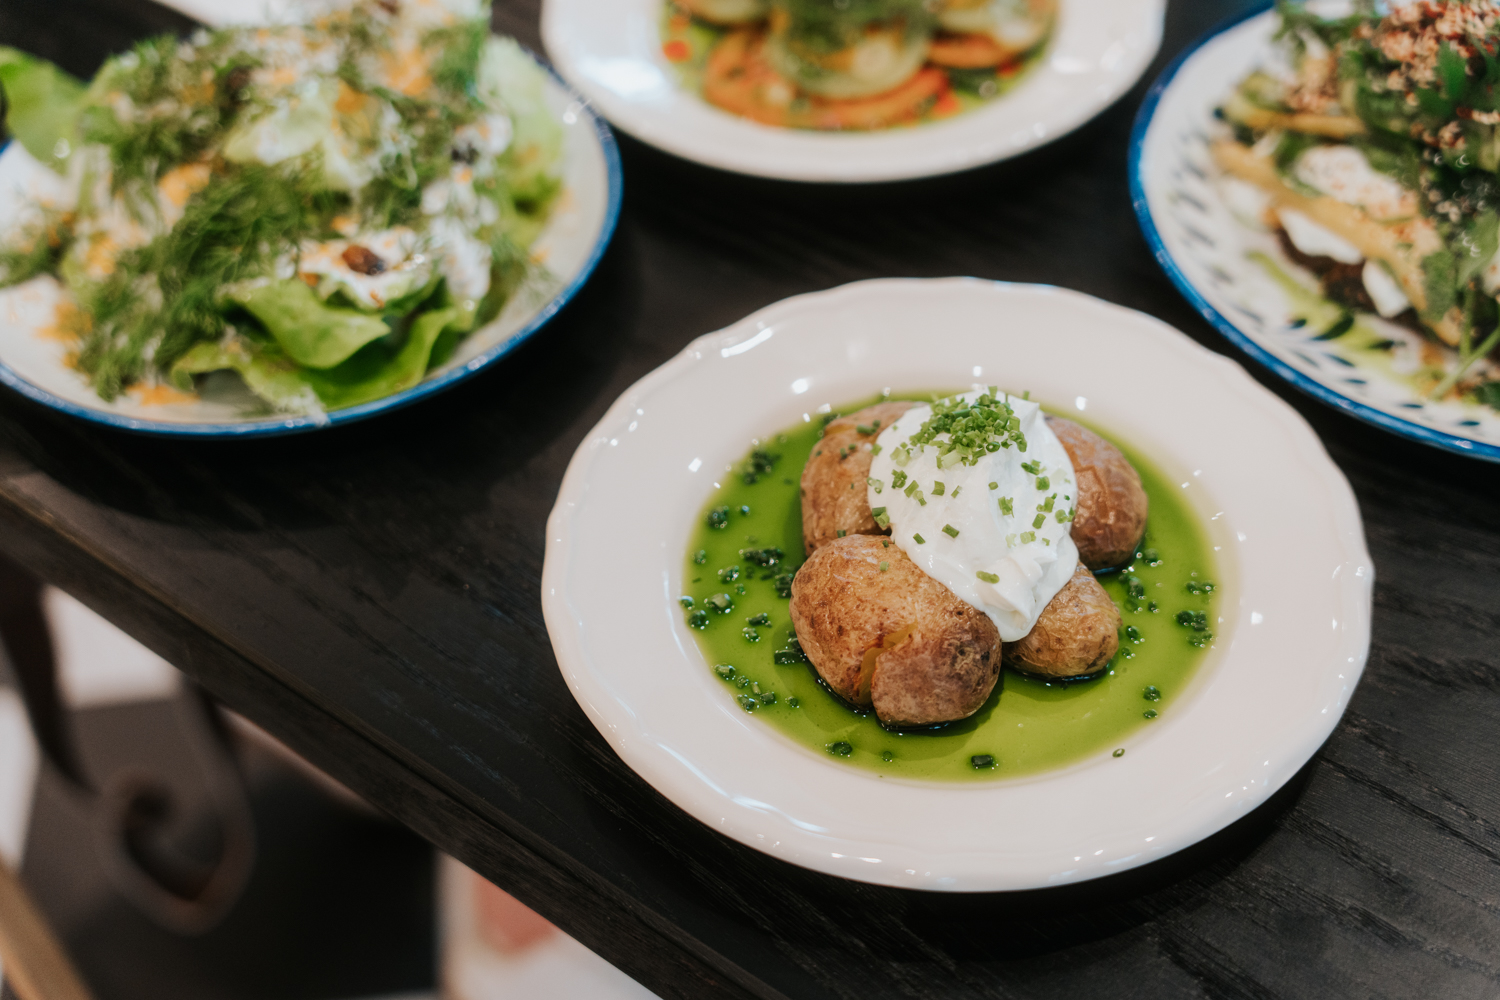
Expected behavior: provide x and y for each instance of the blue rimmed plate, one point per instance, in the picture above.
(1236, 276)
(33, 358)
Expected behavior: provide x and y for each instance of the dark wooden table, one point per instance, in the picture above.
(371, 595)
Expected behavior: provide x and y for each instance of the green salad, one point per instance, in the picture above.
(1375, 140)
(326, 209)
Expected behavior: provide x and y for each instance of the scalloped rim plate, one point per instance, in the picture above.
(610, 50)
(1295, 580)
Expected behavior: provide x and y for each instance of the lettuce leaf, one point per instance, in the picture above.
(373, 372)
(311, 332)
(44, 102)
(511, 81)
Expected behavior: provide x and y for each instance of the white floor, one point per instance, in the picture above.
(100, 665)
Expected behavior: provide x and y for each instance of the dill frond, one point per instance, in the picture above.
(456, 69)
(233, 230)
(35, 251)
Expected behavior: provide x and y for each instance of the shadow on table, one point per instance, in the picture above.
(1020, 925)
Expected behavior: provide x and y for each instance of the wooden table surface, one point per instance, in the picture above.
(371, 595)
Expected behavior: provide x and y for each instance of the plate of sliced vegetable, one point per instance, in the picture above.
(858, 91)
(1323, 183)
(278, 227)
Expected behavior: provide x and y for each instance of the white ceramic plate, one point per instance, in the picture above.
(1296, 581)
(1203, 247)
(610, 50)
(32, 356)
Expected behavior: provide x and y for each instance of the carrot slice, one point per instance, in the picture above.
(739, 79)
(974, 51)
(906, 103)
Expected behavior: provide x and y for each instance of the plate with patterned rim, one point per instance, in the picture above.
(1239, 279)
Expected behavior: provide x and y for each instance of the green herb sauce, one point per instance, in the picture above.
(1167, 598)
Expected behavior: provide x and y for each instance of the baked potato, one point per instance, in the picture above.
(1111, 511)
(1076, 635)
(883, 634)
(834, 494)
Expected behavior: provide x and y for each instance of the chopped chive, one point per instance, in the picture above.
(1007, 505)
(1064, 516)
(950, 531)
(1042, 482)
(1027, 537)
(898, 479)
(1039, 521)
(1035, 468)
(842, 532)
(884, 566)
(760, 619)
(880, 517)
(919, 539)
(981, 761)
(698, 619)
(910, 488)
(865, 429)
(994, 486)
(938, 488)
(875, 449)
(956, 491)
(921, 500)
(750, 634)
(987, 577)
(1046, 505)
(725, 671)
(686, 602)
(876, 484)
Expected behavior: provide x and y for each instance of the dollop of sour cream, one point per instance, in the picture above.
(994, 526)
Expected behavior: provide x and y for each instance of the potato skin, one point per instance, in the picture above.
(834, 494)
(1112, 506)
(942, 657)
(1077, 633)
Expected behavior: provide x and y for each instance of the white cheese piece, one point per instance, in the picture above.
(1029, 571)
(1384, 291)
(1490, 276)
(405, 270)
(27, 187)
(464, 261)
(1315, 241)
(1343, 173)
(1245, 201)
